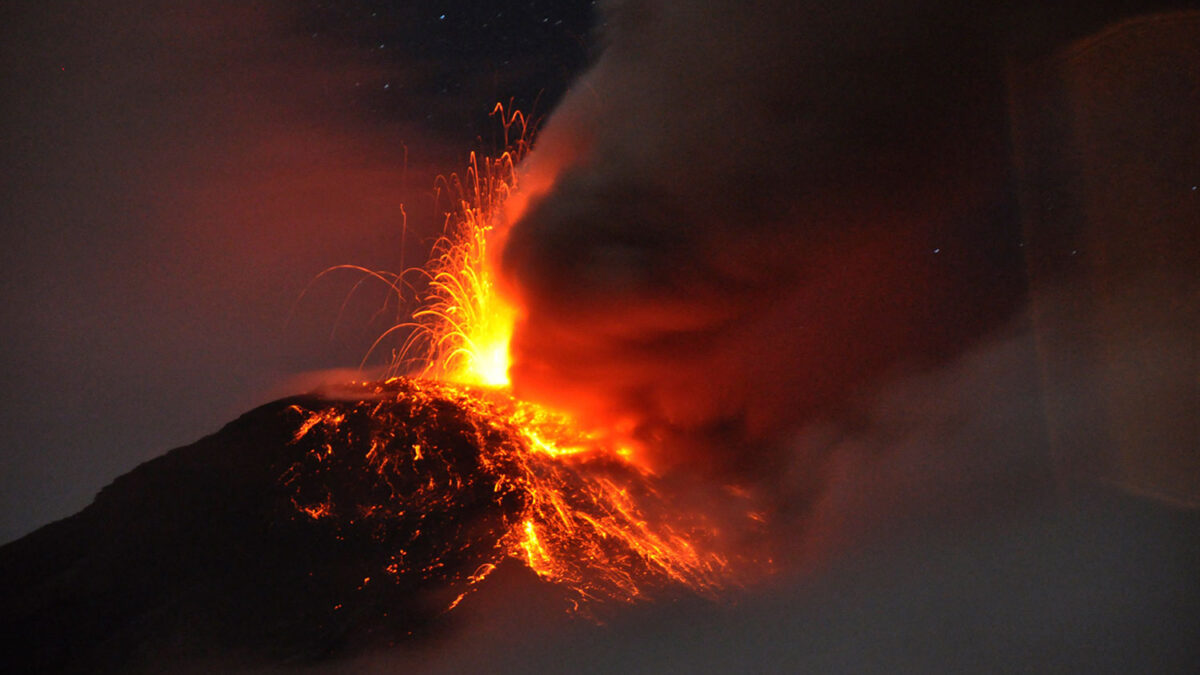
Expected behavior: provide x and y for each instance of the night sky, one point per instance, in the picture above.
(445, 58)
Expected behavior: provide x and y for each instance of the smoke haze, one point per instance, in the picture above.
(738, 217)
(740, 224)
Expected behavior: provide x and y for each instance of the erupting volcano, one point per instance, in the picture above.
(810, 337)
(572, 502)
(358, 514)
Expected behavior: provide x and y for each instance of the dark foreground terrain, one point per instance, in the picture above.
(260, 545)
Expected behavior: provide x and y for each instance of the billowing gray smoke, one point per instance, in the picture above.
(741, 214)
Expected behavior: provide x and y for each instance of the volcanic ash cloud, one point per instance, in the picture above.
(727, 227)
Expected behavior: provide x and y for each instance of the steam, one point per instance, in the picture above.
(738, 218)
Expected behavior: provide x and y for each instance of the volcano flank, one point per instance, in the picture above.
(308, 526)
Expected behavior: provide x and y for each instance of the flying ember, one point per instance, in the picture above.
(507, 478)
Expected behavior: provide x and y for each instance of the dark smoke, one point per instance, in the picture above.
(749, 214)
(740, 222)
(922, 271)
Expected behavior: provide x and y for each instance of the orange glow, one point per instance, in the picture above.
(463, 326)
(587, 519)
(592, 519)
(464, 319)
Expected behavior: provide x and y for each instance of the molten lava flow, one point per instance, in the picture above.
(566, 501)
(455, 478)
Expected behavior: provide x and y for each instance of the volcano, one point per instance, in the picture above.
(319, 525)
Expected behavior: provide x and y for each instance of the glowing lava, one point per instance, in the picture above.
(456, 478)
(462, 328)
(566, 501)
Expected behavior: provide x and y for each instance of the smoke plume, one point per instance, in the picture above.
(737, 218)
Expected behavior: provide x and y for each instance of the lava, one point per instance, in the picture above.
(570, 503)
(462, 326)
(491, 487)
